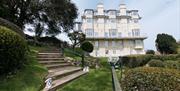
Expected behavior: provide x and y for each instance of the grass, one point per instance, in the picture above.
(30, 78)
(70, 53)
(95, 80)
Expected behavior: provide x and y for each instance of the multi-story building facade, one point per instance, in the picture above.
(113, 32)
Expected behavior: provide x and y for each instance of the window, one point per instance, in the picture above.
(89, 12)
(112, 20)
(135, 32)
(135, 20)
(89, 20)
(119, 34)
(96, 44)
(89, 32)
(135, 13)
(106, 43)
(106, 34)
(101, 43)
(100, 20)
(114, 51)
(120, 44)
(112, 32)
(112, 12)
(96, 34)
(113, 43)
(138, 42)
(109, 43)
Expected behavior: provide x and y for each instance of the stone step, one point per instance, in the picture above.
(53, 66)
(61, 69)
(51, 62)
(49, 56)
(65, 72)
(58, 83)
(50, 59)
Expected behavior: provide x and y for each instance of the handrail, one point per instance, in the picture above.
(73, 52)
(115, 81)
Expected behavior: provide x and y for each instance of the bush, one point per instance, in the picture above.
(150, 52)
(135, 60)
(156, 63)
(87, 46)
(12, 51)
(141, 60)
(172, 64)
(151, 79)
(11, 26)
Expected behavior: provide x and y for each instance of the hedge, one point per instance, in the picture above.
(151, 79)
(13, 51)
(11, 26)
(133, 61)
(156, 63)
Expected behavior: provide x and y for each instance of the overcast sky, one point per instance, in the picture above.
(158, 16)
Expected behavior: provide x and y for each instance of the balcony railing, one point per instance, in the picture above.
(118, 37)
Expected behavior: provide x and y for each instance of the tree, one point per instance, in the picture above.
(166, 44)
(77, 38)
(87, 47)
(53, 16)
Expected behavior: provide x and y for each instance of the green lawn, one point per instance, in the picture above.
(95, 80)
(30, 78)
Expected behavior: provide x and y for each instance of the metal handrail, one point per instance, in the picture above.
(116, 84)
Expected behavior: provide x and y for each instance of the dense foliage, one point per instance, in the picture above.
(151, 79)
(150, 52)
(172, 64)
(135, 60)
(48, 16)
(156, 63)
(141, 60)
(76, 38)
(87, 46)
(12, 51)
(11, 26)
(166, 44)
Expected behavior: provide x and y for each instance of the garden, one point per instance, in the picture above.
(152, 72)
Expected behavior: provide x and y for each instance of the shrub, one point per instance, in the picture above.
(141, 60)
(150, 52)
(11, 26)
(135, 60)
(151, 79)
(87, 46)
(172, 64)
(156, 63)
(12, 51)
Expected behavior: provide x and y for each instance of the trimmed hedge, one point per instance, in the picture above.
(172, 64)
(87, 46)
(156, 63)
(133, 61)
(151, 79)
(13, 49)
(12, 26)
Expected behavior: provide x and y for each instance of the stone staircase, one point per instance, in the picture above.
(59, 69)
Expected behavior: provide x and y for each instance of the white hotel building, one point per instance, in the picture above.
(113, 32)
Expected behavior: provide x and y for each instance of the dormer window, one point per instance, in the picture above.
(112, 12)
(89, 20)
(89, 12)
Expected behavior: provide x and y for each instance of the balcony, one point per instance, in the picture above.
(97, 36)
